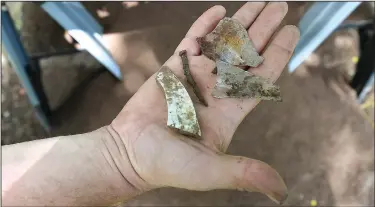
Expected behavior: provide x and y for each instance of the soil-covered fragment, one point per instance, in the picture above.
(189, 77)
(181, 111)
(230, 42)
(233, 82)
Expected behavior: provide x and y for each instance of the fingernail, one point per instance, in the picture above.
(279, 199)
(278, 196)
(264, 179)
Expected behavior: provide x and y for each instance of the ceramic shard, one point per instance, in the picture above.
(233, 82)
(181, 111)
(230, 42)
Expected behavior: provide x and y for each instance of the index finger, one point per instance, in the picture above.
(206, 22)
(202, 26)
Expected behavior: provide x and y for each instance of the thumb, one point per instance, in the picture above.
(251, 175)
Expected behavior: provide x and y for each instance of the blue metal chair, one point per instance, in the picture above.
(81, 26)
(316, 25)
(74, 18)
(28, 74)
(320, 21)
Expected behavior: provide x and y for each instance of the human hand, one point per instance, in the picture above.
(161, 157)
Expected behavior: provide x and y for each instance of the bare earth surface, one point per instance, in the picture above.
(318, 138)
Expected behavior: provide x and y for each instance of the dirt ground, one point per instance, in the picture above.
(318, 138)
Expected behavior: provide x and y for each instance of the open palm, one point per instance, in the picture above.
(162, 157)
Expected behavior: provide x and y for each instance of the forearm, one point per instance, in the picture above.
(86, 169)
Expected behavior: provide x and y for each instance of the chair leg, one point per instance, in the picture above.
(74, 18)
(363, 79)
(366, 89)
(316, 25)
(29, 76)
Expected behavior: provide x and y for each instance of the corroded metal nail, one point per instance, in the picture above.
(189, 77)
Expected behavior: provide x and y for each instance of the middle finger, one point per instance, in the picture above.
(266, 24)
(247, 14)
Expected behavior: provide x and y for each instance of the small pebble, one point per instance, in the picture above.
(301, 196)
(6, 114)
(313, 203)
(21, 91)
(355, 59)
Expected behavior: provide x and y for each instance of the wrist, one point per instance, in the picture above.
(117, 149)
